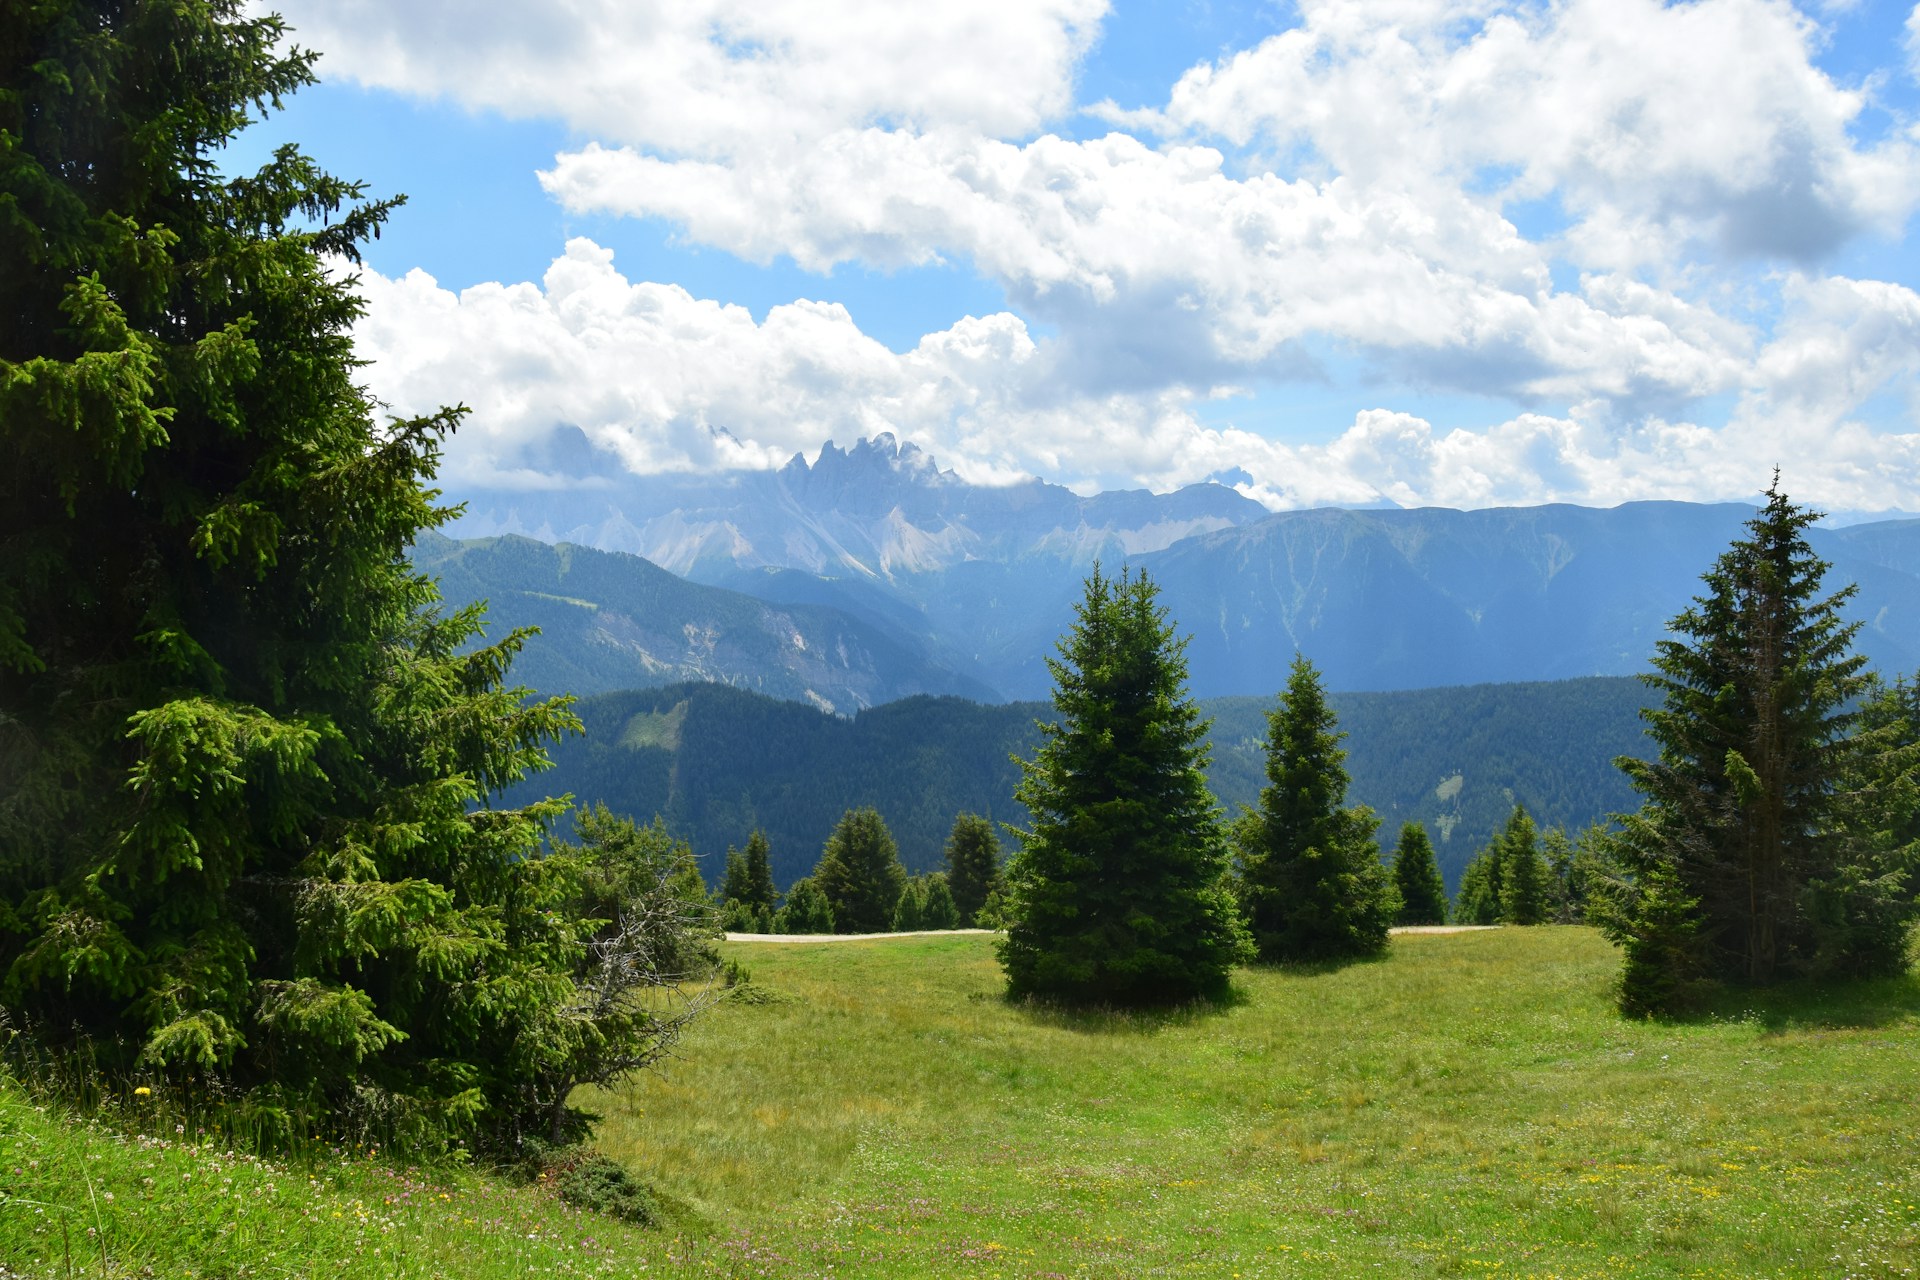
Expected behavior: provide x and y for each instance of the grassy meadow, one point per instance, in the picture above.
(1468, 1106)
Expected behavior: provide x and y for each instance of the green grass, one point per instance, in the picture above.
(1470, 1106)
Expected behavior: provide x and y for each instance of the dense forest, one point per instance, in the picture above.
(717, 762)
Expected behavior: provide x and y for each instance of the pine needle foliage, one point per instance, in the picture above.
(1758, 851)
(1416, 876)
(973, 865)
(1526, 881)
(860, 873)
(806, 909)
(1117, 895)
(245, 763)
(1313, 882)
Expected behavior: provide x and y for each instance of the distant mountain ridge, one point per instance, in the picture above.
(881, 509)
(980, 580)
(611, 621)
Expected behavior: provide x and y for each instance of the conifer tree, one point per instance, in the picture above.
(1423, 894)
(806, 910)
(973, 865)
(1117, 893)
(1525, 881)
(1750, 857)
(758, 891)
(1478, 900)
(733, 882)
(246, 766)
(860, 873)
(746, 891)
(1313, 881)
(909, 914)
(940, 911)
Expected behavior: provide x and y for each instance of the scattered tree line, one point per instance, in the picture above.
(860, 886)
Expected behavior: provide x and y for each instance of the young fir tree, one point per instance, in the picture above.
(860, 873)
(1525, 881)
(1478, 900)
(758, 891)
(973, 865)
(1749, 858)
(1423, 894)
(733, 882)
(243, 792)
(1117, 893)
(1314, 886)
(940, 910)
(746, 892)
(806, 911)
(909, 914)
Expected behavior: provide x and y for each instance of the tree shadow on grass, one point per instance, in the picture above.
(1319, 968)
(1110, 1020)
(1816, 1005)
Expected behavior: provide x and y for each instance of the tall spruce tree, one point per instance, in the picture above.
(1117, 893)
(1481, 881)
(860, 873)
(1526, 883)
(757, 889)
(1314, 885)
(1750, 858)
(244, 763)
(1416, 875)
(973, 865)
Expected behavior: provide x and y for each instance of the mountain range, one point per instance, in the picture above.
(899, 577)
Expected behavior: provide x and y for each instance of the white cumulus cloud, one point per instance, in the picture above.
(715, 77)
(667, 381)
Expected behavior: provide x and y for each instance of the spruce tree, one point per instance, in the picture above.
(1423, 894)
(1750, 859)
(244, 789)
(860, 873)
(1314, 885)
(733, 882)
(1117, 894)
(973, 865)
(1525, 881)
(940, 911)
(757, 889)
(909, 914)
(806, 910)
(1478, 900)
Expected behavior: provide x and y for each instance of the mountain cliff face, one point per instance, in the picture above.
(880, 510)
(978, 581)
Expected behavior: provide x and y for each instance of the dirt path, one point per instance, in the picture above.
(930, 933)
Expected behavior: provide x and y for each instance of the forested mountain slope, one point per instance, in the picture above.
(612, 621)
(717, 762)
(980, 579)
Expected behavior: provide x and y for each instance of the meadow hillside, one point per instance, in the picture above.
(1469, 1106)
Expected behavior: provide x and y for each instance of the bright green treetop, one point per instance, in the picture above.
(1117, 894)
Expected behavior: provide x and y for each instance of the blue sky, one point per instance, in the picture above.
(1452, 254)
